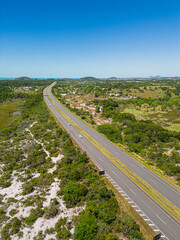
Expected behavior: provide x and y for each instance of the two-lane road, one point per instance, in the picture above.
(155, 216)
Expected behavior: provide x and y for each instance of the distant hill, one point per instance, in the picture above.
(112, 78)
(157, 76)
(89, 78)
(23, 78)
(66, 79)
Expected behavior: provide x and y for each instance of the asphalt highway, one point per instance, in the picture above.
(152, 213)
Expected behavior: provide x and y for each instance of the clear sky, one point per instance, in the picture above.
(101, 38)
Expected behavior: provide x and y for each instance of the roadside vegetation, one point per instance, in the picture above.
(48, 187)
(143, 117)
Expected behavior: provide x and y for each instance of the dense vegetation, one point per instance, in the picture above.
(147, 139)
(29, 144)
(136, 114)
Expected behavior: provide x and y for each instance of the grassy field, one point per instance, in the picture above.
(149, 92)
(6, 110)
(173, 127)
(169, 119)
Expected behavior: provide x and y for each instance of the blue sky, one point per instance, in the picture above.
(102, 38)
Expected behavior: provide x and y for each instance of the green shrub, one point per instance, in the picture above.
(104, 193)
(5, 232)
(120, 117)
(27, 188)
(81, 157)
(13, 212)
(31, 219)
(10, 228)
(73, 193)
(111, 236)
(3, 216)
(51, 211)
(86, 228)
(15, 226)
(34, 200)
(74, 175)
(40, 236)
(129, 227)
(112, 131)
(108, 210)
(35, 214)
(91, 208)
(50, 231)
(4, 183)
(1, 198)
(63, 234)
(61, 222)
(43, 181)
(11, 199)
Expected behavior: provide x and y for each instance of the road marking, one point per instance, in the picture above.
(156, 230)
(151, 224)
(134, 206)
(132, 191)
(161, 219)
(153, 181)
(138, 210)
(114, 173)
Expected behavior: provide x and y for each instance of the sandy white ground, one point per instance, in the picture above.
(15, 191)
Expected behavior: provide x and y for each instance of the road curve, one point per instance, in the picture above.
(155, 216)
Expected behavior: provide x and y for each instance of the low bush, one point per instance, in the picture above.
(10, 228)
(35, 214)
(63, 234)
(87, 227)
(51, 211)
(73, 193)
(27, 188)
(13, 212)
